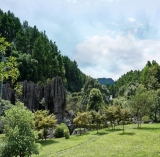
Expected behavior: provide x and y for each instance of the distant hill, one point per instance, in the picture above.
(106, 81)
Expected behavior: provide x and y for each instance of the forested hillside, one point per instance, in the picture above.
(38, 57)
(149, 77)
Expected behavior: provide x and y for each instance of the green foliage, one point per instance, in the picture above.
(38, 57)
(5, 105)
(66, 134)
(3, 45)
(97, 119)
(44, 121)
(154, 107)
(125, 114)
(59, 130)
(75, 78)
(81, 119)
(2, 123)
(95, 100)
(9, 70)
(20, 139)
(124, 80)
(40, 134)
(89, 85)
(145, 119)
(150, 75)
(74, 102)
(140, 104)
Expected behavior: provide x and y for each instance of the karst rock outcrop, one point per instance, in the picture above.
(53, 93)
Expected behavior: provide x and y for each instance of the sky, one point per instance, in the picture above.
(107, 38)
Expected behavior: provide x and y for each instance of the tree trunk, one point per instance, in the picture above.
(80, 131)
(155, 116)
(21, 155)
(123, 127)
(138, 119)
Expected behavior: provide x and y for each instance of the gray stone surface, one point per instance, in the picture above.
(32, 94)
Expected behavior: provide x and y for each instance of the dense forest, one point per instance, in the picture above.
(38, 57)
(149, 77)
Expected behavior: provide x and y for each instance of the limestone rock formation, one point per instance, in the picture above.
(32, 94)
(8, 93)
(55, 98)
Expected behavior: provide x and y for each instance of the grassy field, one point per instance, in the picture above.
(144, 142)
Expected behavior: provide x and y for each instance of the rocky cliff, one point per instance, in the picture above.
(53, 93)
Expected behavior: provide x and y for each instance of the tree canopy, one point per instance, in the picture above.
(38, 57)
(20, 138)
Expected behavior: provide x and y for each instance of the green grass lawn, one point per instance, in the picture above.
(144, 142)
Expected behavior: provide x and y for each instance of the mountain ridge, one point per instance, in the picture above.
(104, 80)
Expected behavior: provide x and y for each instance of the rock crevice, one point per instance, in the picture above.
(54, 94)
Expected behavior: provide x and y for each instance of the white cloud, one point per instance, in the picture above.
(104, 53)
(132, 19)
(103, 56)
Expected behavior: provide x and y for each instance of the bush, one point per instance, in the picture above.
(145, 119)
(5, 104)
(40, 134)
(59, 130)
(66, 134)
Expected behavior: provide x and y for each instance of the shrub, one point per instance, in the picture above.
(40, 134)
(2, 123)
(5, 104)
(66, 134)
(59, 130)
(145, 119)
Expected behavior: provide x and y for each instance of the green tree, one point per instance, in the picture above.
(44, 121)
(96, 118)
(150, 75)
(112, 115)
(8, 69)
(20, 139)
(95, 100)
(125, 114)
(140, 104)
(81, 119)
(89, 85)
(154, 98)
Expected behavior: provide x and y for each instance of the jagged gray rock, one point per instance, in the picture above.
(8, 93)
(32, 94)
(55, 98)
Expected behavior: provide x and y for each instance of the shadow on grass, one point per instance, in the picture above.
(148, 128)
(47, 142)
(110, 130)
(101, 133)
(127, 133)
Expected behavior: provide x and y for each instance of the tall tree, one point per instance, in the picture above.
(150, 75)
(89, 85)
(20, 138)
(140, 104)
(95, 100)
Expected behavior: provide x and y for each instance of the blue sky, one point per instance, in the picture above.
(107, 38)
